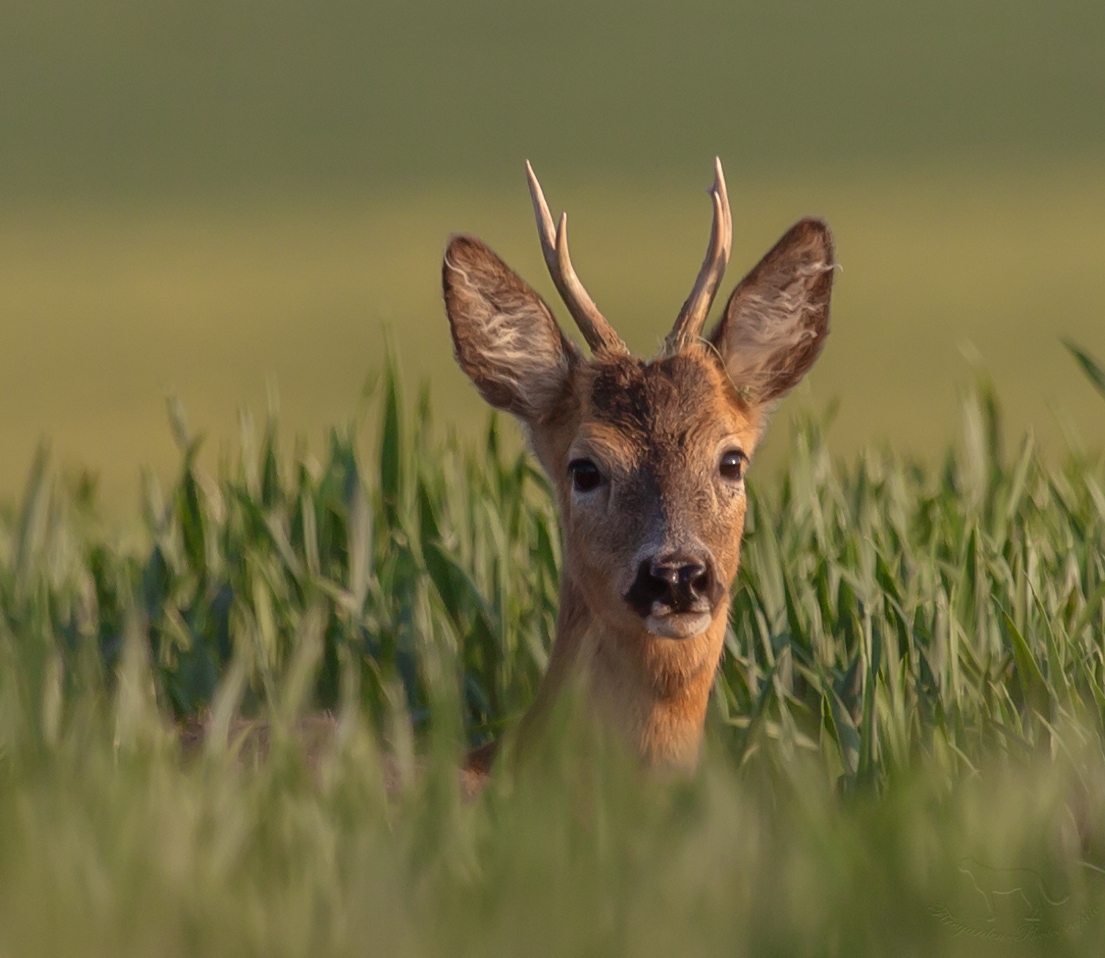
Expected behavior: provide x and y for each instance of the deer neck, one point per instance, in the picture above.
(654, 691)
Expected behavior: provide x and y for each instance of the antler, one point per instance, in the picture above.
(692, 317)
(600, 335)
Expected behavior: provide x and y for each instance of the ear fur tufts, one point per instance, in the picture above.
(504, 336)
(777, 319)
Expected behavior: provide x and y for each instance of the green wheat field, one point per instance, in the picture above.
(242, 478)
(905, 751)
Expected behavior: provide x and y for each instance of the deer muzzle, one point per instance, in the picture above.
(675, 594)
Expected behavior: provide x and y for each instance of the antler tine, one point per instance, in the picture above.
(692, 317)
(546, 229)
(600, 335)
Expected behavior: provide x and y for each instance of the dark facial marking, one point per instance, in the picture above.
(640, 399)
(619, 395)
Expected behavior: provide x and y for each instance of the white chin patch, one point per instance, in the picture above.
(678, 625)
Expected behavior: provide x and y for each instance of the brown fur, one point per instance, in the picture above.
(656, 431)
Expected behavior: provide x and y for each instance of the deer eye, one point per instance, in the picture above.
(585, 475)
(732, 464)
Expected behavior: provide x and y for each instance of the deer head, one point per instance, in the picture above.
(648, 459)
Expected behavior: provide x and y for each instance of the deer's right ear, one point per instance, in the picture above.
(778, 316)
(505, 337)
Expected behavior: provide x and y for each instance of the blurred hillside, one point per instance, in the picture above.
(201, 198)
(125, 99)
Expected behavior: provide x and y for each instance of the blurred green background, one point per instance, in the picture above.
(205, 198)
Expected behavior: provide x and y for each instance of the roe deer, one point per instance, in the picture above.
(647, 458)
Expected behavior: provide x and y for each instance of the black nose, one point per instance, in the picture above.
(682, 583)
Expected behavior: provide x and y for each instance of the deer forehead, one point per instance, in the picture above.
(667, 411)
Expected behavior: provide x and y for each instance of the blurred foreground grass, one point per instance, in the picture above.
(905, 753)
(105, 311)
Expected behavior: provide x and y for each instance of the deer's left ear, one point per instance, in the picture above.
(505, 337)
(777, 319)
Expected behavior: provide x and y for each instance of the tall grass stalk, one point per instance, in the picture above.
(913, 682)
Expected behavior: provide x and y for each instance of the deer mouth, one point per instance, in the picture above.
(678, 625)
